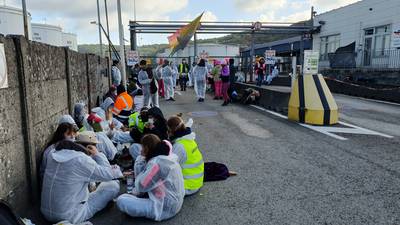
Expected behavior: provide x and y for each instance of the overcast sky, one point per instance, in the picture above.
(75, 15)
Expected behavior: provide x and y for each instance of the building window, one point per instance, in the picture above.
(329, 44)
(382, 40)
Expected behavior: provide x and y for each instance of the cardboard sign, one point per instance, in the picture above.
(396, 36)
(311, 61)
(270, 57)
(3, 68)
(132, 58)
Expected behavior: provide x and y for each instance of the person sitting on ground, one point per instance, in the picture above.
(66, 130)
(123, 105)
(189, 155)
(156, 124)
(137, 122)
(112, 93)
(138, 100)
(250, 96)
(80, 116)
(158, 174)
(70, 168)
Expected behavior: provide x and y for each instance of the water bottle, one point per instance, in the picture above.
(129, 183)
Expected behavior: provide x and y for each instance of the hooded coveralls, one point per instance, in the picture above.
(162, 179)
(200, 80)
(167, 75)
(145, 81)
(65, 194)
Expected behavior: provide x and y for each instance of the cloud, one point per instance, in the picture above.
(75, 15)
(325, 5)
(257, 6)
(209, 17)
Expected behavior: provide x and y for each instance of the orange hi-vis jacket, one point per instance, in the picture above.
(124, 102)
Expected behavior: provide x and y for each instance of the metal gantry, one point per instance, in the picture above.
(259, 28)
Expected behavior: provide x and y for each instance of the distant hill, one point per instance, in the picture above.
(243, 40)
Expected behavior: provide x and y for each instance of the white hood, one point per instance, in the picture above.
(66, 155)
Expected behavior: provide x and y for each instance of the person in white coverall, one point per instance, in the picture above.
(167, 75)
(158, 174)
(200, 73)
(70, 169)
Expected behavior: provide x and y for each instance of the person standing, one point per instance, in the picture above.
(183, 74)
(232, 72)
(274, 73)
(200, 73)
(174, 73)
(158, 73)
(149, 85)
(167, 75)
(216, 74)
(191, 82)
(225, 83)
(115, 73)
(260, 70)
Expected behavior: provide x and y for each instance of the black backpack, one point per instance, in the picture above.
(7, 215)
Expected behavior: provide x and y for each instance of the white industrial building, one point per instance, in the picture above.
(210, 51)
(374, 26)
(70, 40)
(12, 21)
(46, 33)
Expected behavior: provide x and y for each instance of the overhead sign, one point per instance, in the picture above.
(270, 57)
(311, 61)
(132, 57)
(3, 68)
(396, 36)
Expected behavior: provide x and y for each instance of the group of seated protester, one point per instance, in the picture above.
(79, 176)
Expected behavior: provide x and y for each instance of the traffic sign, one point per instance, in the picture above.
(132, 57)
(270, 57)
(311, 61)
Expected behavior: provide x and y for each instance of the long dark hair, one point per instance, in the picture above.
(149, 71)
(160, 124)
(202, 63)
(59, 133)
(153, 146)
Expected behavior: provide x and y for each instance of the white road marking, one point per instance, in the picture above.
(329, 130)
(371, 100)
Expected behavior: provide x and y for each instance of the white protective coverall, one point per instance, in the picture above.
(65, 194)
(144, 80)
(167, 76)
(200, 80)
(162, 179)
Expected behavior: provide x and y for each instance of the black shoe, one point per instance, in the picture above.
(172, 99)
(199, 100)
(216, 98)
(225, 104)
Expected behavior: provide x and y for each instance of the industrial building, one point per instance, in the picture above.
(12, 21)
(365, 34)
(209, 51)
(285, 49)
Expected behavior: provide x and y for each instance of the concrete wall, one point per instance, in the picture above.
(44, 83)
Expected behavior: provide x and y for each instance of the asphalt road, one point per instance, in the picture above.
(288, 174)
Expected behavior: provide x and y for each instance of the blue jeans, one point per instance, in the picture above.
(260, 80)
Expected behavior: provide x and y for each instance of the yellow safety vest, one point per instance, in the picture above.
(135, 121)
(193, 168)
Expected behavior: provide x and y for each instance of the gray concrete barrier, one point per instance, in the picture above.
(272, 97)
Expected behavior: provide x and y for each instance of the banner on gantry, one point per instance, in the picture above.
(180, 39)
